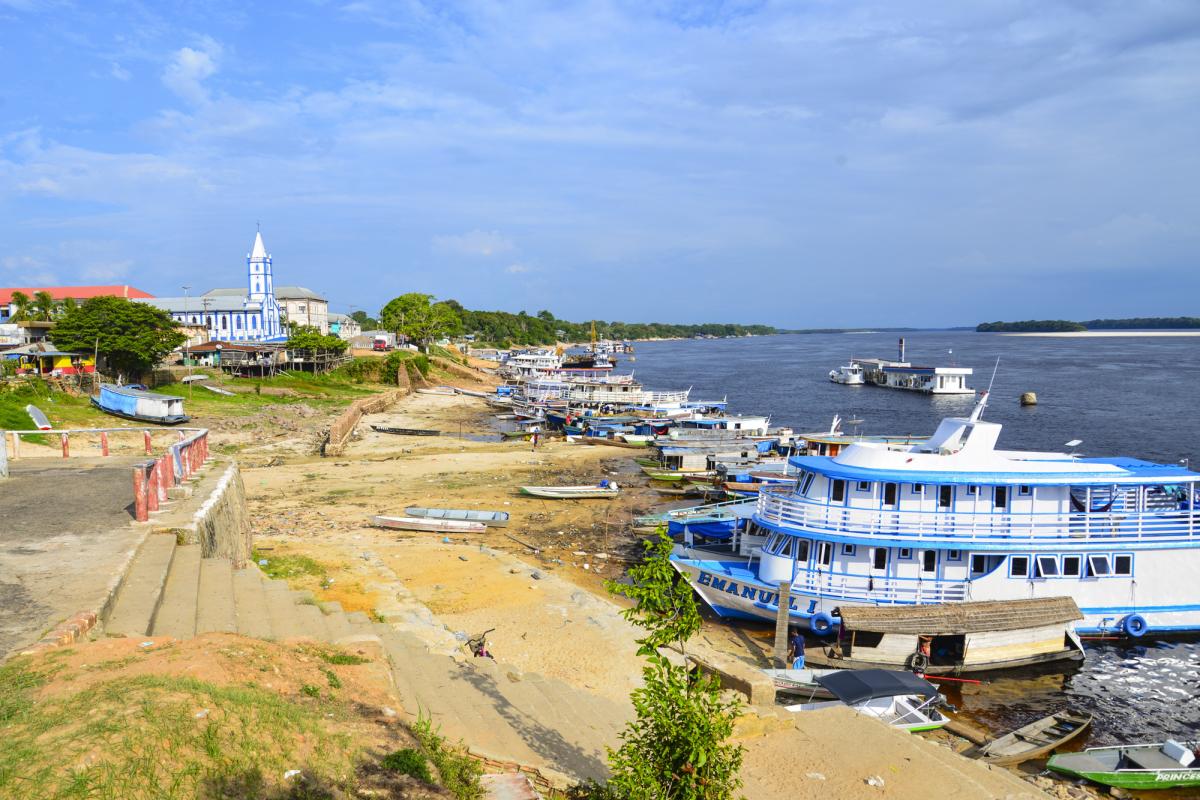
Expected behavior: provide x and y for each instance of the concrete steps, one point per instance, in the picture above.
(177, 613)
(133, 611)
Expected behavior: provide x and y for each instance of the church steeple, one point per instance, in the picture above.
(258, 265)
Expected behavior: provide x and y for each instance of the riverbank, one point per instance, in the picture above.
(1101, 334)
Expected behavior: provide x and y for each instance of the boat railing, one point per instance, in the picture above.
(878, 589)
(786, 510)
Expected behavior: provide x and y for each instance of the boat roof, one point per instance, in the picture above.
(1010, 471)
(955, 618)
(128, 392)
(854, 686)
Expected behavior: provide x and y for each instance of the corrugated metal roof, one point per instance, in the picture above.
(74, 292)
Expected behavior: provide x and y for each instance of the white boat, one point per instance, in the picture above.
(899, 699)
(955, 519)
(492, 519)
(423, 524)
(800, 681)
(605, 489)
(39, 418)
(848, 374)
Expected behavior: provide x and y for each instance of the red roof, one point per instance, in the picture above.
(73, 292)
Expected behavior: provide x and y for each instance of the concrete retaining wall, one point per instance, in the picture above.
(222, 523)
(458, 369)
(343, 426)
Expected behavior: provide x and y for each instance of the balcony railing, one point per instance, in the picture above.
(1007, 529)
(879, 590)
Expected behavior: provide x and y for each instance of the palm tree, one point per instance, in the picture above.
(43, 308)
(20, 302)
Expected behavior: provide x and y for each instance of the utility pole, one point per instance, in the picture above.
(187, 343)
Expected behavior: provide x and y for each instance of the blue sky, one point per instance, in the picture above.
(802, 164)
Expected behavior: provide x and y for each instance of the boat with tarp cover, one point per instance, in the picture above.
(899, 699)
(1169, 765)
(143, 406)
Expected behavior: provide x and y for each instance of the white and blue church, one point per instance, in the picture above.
(234, 315)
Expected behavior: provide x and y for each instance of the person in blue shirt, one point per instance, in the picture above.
(796, 649)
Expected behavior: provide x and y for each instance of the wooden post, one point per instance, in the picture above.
(781, 625)
(104, 443)
(66, 445)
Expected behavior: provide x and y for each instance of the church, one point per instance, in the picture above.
(234, 315)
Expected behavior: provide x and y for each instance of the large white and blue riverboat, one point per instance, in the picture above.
(955, 519)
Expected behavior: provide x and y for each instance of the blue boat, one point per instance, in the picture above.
(139, 405)
(956, 519)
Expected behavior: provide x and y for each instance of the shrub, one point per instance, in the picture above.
(408, 762)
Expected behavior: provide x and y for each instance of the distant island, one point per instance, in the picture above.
(1063, 325)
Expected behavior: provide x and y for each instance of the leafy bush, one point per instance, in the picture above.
(408, 762)
(459, 772)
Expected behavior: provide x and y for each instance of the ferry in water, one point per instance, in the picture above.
(955, 519)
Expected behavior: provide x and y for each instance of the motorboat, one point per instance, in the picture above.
(901, 700)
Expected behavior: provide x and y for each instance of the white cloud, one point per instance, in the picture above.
(42, 185)
(518, 269)
(190, 67)
(106, 271)
(119, 72)
(474, 243)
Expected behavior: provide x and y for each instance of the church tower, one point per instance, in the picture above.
(262, 288)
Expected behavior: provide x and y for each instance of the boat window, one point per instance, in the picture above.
(889, 494)
(978, 564)
(954, 555)
(802, 550)
(1018, 566)
(848, 549)
(807, 483)
(825, 553)
(1070, 566)
(972, 491)
(918, 488)
(905, 552)
(1098, 567)
(1123, 564)
(864, 486)
(1001, 497)
(786, 549)
(1047, 567)
(1024, 491)
(772, 543)
(945, 494)
(929, 561)
(880, 555)
(838, 492)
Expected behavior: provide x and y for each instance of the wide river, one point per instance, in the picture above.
(1137, 396)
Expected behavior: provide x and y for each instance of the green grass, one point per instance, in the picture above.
(61, 409)
(459, 772)
(408, 762)
(315, 390)
(332, 655)
(142, 737)
(288, 566)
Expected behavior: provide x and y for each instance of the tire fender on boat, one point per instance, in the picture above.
(1134, 625)
(821, 623)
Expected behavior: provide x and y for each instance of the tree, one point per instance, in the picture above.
(417, 317)
(309, 337)
(365, 322)
(132, 337)
(678, 747)
(21, 302)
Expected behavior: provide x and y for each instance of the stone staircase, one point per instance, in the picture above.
(502, 715)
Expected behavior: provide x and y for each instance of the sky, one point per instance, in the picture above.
(804, 164)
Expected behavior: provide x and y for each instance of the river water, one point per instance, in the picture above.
(1133, 396)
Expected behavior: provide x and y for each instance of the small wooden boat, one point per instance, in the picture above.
(1034, 740)
(444, 390)
(433, 525)
(606, 489)
(140, 405)
(800, 681)
(473, 393)
(612, 442)
(516, 434)
(659, 474)
(39, 419)
(1169, 765)
(404, 431)
(493, 519)
(217, 390)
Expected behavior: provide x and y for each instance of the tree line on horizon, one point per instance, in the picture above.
(422, 318)
(1057, 325)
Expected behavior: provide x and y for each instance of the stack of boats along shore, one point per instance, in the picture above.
(908, 559)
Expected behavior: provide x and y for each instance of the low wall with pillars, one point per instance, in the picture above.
(152, 480)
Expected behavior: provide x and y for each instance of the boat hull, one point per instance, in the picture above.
(492, 519)
(428, 525)
(568, 493)
(177, 419)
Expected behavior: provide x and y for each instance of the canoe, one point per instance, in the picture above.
(676, 474)
(571, 492)
(1169, 765)
(445, 390)
(1034, 740)
(800, 681)
(493, 519)
(611, 442)
(473, 393)
(404, 431)
(434, 525)
(39, 419)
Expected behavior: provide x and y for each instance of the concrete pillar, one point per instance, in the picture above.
(151, 487)
(141, 510)
(16, 451)
(146, 434)
(66, 445)
(103, 443)
(4, 456)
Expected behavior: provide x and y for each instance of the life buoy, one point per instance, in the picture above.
(821, 623)
(1134, 625)
(919, 662)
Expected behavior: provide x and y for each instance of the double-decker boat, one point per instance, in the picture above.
(954, 519)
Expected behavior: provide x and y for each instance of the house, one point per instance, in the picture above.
(61, 293)
(344, 326)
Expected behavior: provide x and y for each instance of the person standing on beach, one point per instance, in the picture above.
(536, 430)
(796, 649)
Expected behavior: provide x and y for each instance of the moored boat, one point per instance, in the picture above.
(492, 519)
(140, 405)
(899, 699)
(800, 681)
(604, 489)
(848, 374)
(1167, 765)
(1033, 740)
(404, 431)
(433, 525)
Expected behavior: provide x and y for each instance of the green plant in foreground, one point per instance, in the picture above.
(408, 762)
(678, 746)
(458, 771)
(310, 691)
